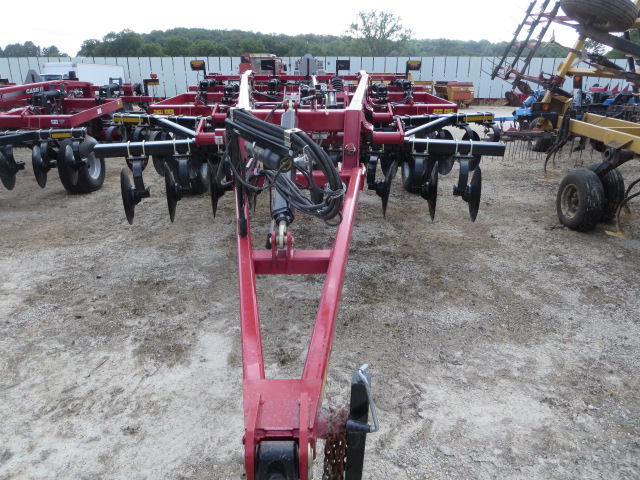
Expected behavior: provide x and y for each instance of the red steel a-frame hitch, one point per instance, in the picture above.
(283, 415)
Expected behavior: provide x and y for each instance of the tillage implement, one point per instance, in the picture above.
(553, 116)
(308, 144)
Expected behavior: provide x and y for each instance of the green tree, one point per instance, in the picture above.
(88, 48)
(52, 51)
(178, 46)
(126, 43)
(209, 48)
(31, 49)
(28, 49)
(252, 46)
(594, 47)
(152, 50)
(373, 33)
(380, 32)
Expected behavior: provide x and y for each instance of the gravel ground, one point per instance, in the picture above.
(500, 349)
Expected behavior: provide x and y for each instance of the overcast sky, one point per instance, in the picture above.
(66, 25)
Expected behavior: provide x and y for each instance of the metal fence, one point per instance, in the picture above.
(175, 74)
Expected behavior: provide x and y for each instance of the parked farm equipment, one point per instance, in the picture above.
(457, 92)
(61, 121)
(311, 142)
(557, 116)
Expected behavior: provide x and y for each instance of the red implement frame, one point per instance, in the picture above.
(288, 409)
(85, 110)
(282, 416)
(82, 107)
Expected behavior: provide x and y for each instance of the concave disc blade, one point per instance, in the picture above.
(475, 191)
(432, 195)
(127, 201)
(170, 185)
(38, 166)
(7, 174)
(389, 176)
(66, 163)
(445, 162)
(213, 185)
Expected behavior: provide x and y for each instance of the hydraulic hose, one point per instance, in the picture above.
(277, 142)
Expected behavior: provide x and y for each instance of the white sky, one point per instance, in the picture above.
(67, 25)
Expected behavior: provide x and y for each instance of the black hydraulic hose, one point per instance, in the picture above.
(270, 136)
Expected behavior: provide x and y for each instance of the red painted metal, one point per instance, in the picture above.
(26, 118)
(12, 96)
(288, 408)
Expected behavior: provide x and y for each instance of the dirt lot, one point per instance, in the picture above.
(501, 349)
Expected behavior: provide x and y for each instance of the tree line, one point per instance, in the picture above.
(194, 42)
(373, 33)
(30, 49)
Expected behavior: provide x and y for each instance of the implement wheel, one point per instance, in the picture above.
(541, 144)
(199, 176)
(607, 15)
(91, 176)
(85, 178)
(580, 200)
(613, 185)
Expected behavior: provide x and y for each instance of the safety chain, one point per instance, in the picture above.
(335, 445)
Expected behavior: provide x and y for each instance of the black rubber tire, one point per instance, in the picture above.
(91, 177)
(158, 163)
(158, 160)
(406, 173)
(613, 185)
(580, 200)
(200, 181)
(608, 15)
(541, 144)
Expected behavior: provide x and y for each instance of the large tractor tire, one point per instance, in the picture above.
(580, 200)
(607, 15)
(613, 185)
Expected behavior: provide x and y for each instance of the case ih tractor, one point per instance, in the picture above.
(307, 145)
(589, 195)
